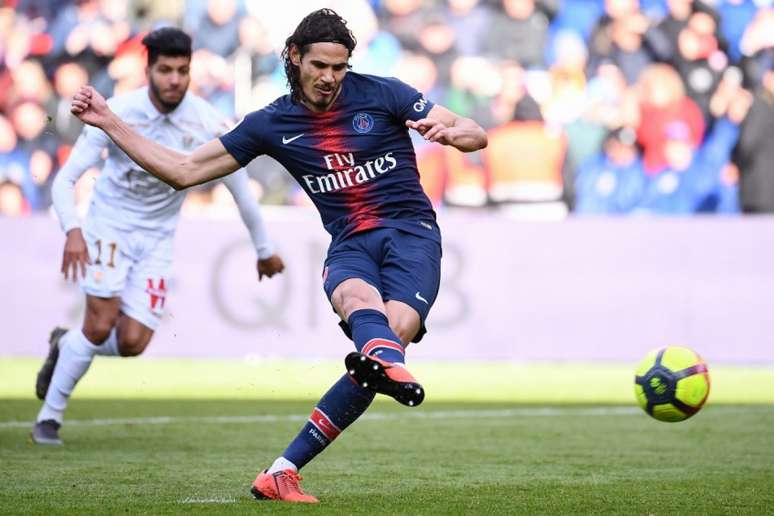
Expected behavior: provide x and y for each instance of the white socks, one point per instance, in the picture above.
(109, 348)
(75, 356)
(282, 464)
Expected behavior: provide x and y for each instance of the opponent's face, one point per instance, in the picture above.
(168, 80)
(321, 71)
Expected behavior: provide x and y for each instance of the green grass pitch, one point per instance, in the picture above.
(187, 437)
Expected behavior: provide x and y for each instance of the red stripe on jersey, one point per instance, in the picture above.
(380, 343)
(324, 424)
(361, 206)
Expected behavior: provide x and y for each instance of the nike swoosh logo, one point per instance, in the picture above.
(419, 296)
(285, 140)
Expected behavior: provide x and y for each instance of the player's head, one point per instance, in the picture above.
(316, 58)
(169, 64)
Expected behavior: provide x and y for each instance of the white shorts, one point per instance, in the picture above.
(132, 265)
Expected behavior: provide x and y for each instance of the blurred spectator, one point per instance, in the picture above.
(254, 60)
(567, 100)
(613, 181)
(518, 31)
(12, 202)
(549, 79)
(696, 180)
(29, 120)
(378, 51)
(699, 60)
(667, 32)
(418, 70)
(403, 19)
(579, 16)
(212, 78)
(254, 41)
(475, 81)
(20, 38)
(68, 77)
(127, 69)
(524, 163)
(147, 13)
(10, 168)
(436, 40)
(217, 28)
(677, 17)
(30, 84)
(82, 29)
(735, 16)
(468, 20)
(757, 47)
(46, 9)
(618, 38)
(7, 136)
(514, 103)
(610, 102)
(662, 102)
(754, 154)
(33, 153)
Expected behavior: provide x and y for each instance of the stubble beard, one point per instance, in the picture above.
(169, 106)
(322, 104)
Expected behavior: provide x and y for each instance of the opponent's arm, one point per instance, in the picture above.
(447, 128)
(269, 263)
(84, 155)
(207, 162)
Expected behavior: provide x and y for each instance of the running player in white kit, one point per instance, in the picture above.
(123, 253)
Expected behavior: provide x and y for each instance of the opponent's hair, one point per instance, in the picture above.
(167, 41)
(321, 26)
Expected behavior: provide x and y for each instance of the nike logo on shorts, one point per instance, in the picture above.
(286, 140)
(419, 296)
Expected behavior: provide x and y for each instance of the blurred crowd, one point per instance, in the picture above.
(592, 107)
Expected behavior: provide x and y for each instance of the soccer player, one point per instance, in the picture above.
(344, 137)
(124, 251)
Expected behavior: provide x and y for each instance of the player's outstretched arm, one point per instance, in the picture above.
(85, 154)
(447, 128)
(207, 162)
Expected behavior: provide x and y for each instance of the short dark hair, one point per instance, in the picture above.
(167, 41)
(321, 26)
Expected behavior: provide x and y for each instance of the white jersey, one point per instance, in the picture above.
(130, 198)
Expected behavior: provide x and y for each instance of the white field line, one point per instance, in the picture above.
(207, 500)
(375, 416)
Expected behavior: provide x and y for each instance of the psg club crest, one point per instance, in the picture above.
(363, 123)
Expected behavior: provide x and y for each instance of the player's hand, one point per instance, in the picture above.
(270, 266)
(76, 254)
(90, 107)
(432, 130)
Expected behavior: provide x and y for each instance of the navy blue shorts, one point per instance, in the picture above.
(401, 266)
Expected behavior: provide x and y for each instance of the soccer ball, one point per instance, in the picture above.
(672, 383)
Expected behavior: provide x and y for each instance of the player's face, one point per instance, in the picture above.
(321, 71)
(168, 79)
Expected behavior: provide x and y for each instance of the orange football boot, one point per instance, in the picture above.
(282, 485)
(385, 378)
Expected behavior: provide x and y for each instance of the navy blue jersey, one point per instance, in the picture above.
(355, 161)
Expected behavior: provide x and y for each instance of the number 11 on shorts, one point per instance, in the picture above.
(113, 247)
